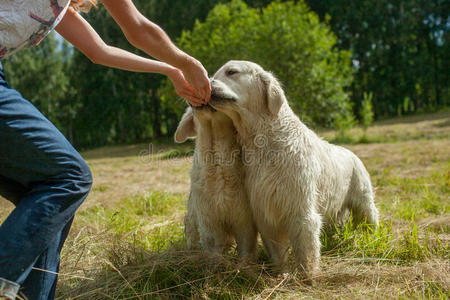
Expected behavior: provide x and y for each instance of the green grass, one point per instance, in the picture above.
(417, 198)
(382, 244)
(153, 257)
(151, 262)
(141, 220)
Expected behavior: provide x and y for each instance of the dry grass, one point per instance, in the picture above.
(127, 240)
(139, 168)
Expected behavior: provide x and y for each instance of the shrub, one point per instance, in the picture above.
(285, 38)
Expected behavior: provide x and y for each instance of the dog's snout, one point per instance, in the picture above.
(215, 91)
(215, 87)
(214, 83)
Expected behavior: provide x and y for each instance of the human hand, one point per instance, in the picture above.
(183, 88)
(197, 76)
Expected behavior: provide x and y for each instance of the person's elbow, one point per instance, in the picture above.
(96, 59)
(97, 55)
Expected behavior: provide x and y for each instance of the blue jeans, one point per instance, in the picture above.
(47, 180)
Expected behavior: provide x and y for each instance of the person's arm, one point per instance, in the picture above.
(149, 37)
(82, 36)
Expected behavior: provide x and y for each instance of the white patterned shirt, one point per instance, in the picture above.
(24, 23)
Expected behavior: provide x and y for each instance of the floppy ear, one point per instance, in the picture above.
(273, 92)
(186, 127)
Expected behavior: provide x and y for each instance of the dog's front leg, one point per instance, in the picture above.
(304, 234)
(190, 226)
(277, 245)
(246, 240)
(213, 239)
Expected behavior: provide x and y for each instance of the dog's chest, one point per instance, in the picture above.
(218, 174)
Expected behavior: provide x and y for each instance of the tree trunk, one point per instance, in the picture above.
(156, 107)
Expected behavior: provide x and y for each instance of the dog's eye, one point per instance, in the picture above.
(231, 72)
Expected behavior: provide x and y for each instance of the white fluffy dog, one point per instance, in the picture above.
(295, 180)
(218, 206)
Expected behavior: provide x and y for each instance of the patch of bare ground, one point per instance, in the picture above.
(118, 178)
(406, 159)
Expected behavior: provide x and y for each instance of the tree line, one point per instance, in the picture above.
(331, 56)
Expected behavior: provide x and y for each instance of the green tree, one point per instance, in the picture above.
(286, 38)
(114, 106)
(366, 112)
(400, 50)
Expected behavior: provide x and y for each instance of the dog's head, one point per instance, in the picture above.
(244, 87)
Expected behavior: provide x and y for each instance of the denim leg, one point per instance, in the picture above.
(48, 261)
(47, 180)
(11, 190)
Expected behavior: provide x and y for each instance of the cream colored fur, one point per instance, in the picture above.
(296, 181)
(218, 207)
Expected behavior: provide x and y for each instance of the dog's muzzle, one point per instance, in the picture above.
(219, 95)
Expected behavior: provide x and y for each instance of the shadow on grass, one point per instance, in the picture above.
(154, 147)
(414, 118)
(443, 124)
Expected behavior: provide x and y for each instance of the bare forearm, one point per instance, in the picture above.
(77, 31)
(121, 59)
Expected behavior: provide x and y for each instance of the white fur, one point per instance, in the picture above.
(296, 181)
(218, 206)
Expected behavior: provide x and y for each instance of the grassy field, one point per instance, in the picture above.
(127, 239)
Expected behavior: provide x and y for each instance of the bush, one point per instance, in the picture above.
(285, 38)
(366, 111)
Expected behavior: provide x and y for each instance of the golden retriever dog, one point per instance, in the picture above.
(218, 209)
(296, 182)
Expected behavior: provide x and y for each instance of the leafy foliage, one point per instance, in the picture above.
(400, 50)
(366, 111)
(285, 38)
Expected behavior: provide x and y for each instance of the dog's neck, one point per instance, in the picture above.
(266, 127)
(216, 135)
